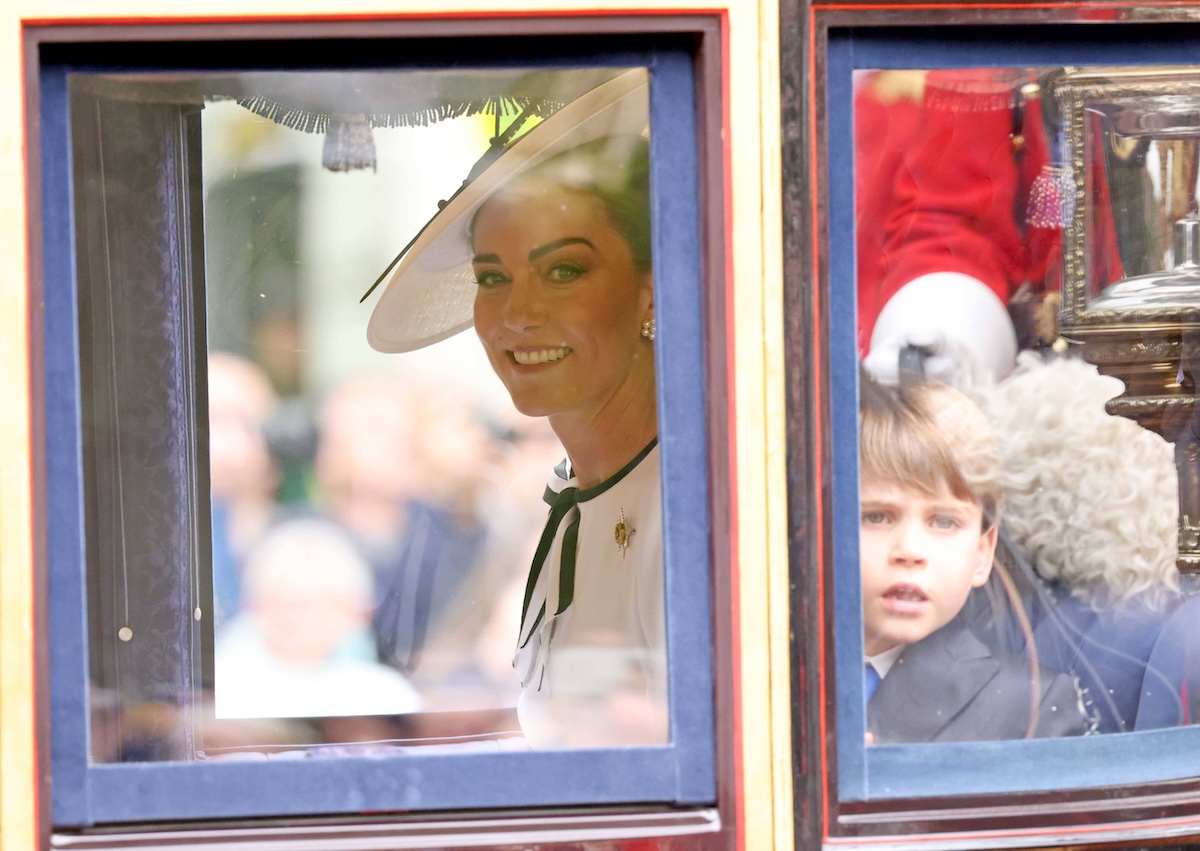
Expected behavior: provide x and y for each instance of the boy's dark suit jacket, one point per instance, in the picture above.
(950, 687)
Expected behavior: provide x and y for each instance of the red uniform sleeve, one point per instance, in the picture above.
(885, 123)
(956, 199)
(945, 185)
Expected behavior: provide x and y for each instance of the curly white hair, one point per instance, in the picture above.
(1092, 498)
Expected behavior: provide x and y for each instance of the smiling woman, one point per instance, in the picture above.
(561, 303)
(556, 235)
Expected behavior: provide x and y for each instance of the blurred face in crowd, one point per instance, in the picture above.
(240, 401)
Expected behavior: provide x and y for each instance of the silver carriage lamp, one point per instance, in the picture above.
(1130, 149)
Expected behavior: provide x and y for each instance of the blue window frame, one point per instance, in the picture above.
(941, 770)
(86, 794)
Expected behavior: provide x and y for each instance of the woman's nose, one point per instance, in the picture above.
(524, 309)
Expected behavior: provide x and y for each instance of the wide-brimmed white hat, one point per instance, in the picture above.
(431, 294)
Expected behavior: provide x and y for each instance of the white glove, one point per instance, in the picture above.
(959, 323)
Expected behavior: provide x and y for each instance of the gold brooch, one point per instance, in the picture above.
(622, 532)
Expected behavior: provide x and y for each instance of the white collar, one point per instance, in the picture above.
(882, 662)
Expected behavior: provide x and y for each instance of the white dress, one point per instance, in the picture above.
(595, 673)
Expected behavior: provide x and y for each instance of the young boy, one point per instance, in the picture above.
(931, 493)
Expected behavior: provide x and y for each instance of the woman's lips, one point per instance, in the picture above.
(533, 357)
(905, 598)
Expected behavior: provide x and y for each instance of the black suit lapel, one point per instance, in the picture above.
(929, 685)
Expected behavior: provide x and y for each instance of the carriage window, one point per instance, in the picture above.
(371, 387)
(1025, 266)
(374, 515)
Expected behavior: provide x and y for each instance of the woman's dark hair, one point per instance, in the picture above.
(616, 170)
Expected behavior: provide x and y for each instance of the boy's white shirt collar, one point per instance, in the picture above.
(882, 662)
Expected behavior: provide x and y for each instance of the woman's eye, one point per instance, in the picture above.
(564, 272)
(490, 278)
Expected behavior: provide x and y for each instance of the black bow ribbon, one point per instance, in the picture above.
(562, 504)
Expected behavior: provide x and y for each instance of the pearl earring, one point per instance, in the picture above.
(648, 330)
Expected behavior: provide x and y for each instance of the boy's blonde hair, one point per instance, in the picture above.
(928, 434)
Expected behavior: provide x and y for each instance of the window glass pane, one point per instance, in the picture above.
(370, 518)
(1025, 268)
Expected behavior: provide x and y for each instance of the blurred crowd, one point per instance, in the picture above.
(369, 548)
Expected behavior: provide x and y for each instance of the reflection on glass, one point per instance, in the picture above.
(987, 201)
(373, 517)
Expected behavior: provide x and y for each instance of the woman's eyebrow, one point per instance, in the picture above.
(486, 258)
(543, 250)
